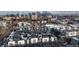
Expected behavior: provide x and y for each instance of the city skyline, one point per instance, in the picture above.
(37, 29)
(53, 12)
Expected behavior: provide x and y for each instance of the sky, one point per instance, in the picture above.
(53, 12)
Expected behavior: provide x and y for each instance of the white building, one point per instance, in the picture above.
(53, 19)
(56, 26)
(34, 17)
(27, 42)
(44, 21)
(45, 39)
(53, 38)
(2, 23)
(7, 18)
(21, 42)
(23, 23)
(74, 26)
(34, 40)
(11, 43)
(71, 33)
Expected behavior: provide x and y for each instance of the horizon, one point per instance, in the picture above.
(26, 12)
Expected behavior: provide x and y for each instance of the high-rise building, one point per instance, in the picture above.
(34, 16)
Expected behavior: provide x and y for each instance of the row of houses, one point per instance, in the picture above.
(31, 40)
(70, 29)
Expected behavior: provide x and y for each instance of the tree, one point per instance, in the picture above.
(22, 15)
(17, 14)
(12, 15)
(7, 15)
